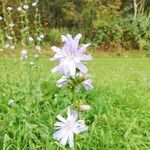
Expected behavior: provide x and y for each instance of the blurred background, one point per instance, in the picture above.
(110, 25)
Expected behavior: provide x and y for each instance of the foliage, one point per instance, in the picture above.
(54, 35)
(113, 23)
(117, 29)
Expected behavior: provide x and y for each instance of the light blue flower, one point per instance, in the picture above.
(88, 84)
(63, 81)
(66, 128)
(70, 57)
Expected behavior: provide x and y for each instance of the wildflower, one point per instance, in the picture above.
(26, 7)
(70, 56)
(31, 39)
(11, 25)
(38, 49)
(1, 18)
(23, 54)
(19, 9)
(88, 84)
(84, 107)
(63, 81)
(9, 8)
(34, 4)
(66, 128)
(42, 36)
(39, 39)
(7, 46)
(9, 37)
(12, 47)
(11, 102)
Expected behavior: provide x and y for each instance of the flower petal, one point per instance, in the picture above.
(59, 124)
(64, 139)
(76, 41)
(70, 140)
(81, 126)
(57, 57)
(84, 47)
(88, 84)
(72, 68)
(63, 81)
(78, 36)
(68, 112)
(63, 38)
(59, 117)
(58, 68)
(58, 134)
(74, 115)
(56, 49)
(81, 67)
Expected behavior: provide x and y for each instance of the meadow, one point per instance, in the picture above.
(119, 118)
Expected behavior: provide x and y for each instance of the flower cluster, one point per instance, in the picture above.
(26, 38)
(70, 58)
(9, 30)
(74, 75)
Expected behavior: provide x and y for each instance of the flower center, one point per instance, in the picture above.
(68, 126)
(70, 56)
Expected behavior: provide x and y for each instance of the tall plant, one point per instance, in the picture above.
(74, 75)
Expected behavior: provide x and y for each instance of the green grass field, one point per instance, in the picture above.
(120, 114)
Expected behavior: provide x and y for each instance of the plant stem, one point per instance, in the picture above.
(73, 94)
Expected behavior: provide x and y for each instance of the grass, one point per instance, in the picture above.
(120, 115)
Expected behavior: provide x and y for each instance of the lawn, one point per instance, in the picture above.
(120, 114)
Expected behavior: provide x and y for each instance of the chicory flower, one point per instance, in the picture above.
(67, 128)
(70, 57)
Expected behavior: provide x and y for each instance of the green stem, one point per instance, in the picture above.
(73, 94)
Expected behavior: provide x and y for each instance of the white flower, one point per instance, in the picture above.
(1, 18)
(34, 4)
(39, 39)
(7, 46)
(12, 47)
(38, 49)
(19, 9)
(9, 37)
(31, 39)
(9, 8)
(11, 25)
(23, 54)
(42, 36)
(84, 107)
(26, 7)
(11, 102)
(66, 128)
